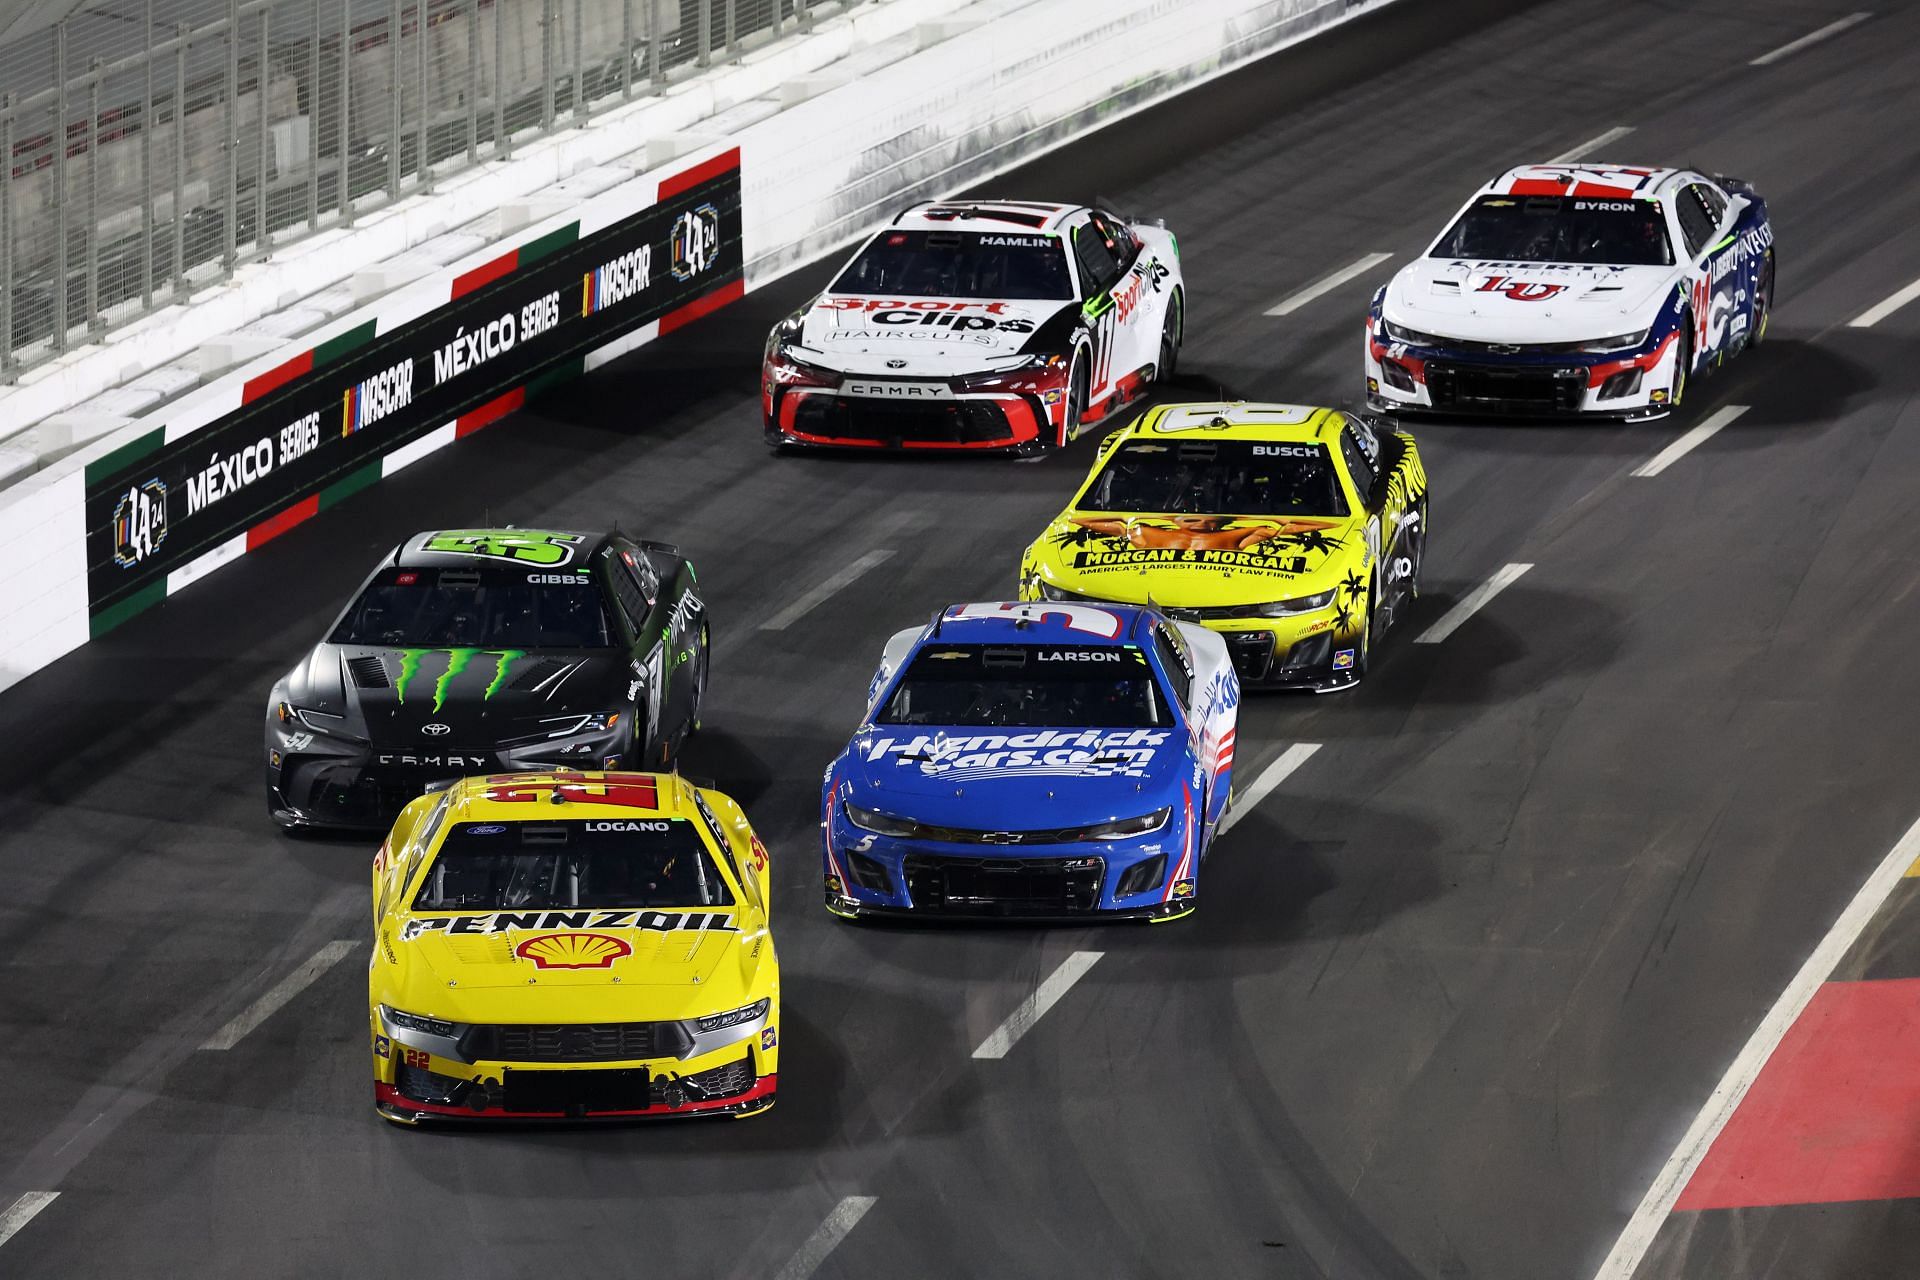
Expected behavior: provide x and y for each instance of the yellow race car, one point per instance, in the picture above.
(569, 946)
(1296, 533)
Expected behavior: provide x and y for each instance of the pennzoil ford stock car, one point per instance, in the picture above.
(997, 324)
(1575, 289)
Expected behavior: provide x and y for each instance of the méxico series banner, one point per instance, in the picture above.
(154, 507)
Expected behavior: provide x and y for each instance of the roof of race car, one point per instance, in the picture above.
(1040, 622)
(1239, 419)
(529, 548)
(543, 797)
(985, 214)
(1598, 181)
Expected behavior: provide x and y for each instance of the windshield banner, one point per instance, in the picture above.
(316, 428)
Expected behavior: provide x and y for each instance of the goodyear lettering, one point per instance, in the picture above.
(471, 350)
(506, 921)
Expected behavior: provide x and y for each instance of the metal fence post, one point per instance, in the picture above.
(472, 26)
(579, 62)
(396, 125)
(653, 45)
(180, 163)
(501, 145)
(6, 238)
(343, 136)
(148, 118)
(60, 186)
(313, 122)
(800, 15)
(778, 12)
(626, 49)
(423, 97)
(230, 215)
(262, 75)
(94, 323)
(733, 33)
(705, 45)
(546, 66)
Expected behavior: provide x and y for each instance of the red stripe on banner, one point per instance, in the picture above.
(273, 379)
(485, 274)
(681, 317)
(492, 411)
(1834, 1113)
(705, 172)
(267, 530)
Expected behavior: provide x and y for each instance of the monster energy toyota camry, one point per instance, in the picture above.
(471, 651)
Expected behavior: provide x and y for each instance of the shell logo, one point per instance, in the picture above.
(573, 950)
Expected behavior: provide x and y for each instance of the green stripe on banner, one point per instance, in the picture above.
(565, 371)
(100, 468)
(548, 244)
(340, 344)
(115, 614)
(353, 482)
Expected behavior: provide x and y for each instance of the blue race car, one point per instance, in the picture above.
(1038, 761)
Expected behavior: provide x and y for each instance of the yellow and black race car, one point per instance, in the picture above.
(1296, 533)
(570, 946)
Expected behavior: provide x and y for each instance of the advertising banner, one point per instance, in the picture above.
(154, 507)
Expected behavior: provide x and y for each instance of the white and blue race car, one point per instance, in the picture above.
(1575, 289)
(1038, 761)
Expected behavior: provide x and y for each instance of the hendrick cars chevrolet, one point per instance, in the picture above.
(1034, 760)
(996, 324)
(473, 650)
(1575, 289)
(571, 946)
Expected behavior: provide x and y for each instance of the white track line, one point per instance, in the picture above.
(22, 1211)
(815, 598)
(1270, 777)
(283, 991)
(1327, 285)
(1880, 311)
(1592, 145)
(1691, 440)
(1813, 37)
(1632, 1246)
(807, 1259)
(1044, 997)
(1475, 600)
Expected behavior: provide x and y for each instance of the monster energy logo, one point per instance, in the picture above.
(457, 661)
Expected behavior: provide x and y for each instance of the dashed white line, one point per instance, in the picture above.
(1812, 37)
(1592, 145)
(1270, 777)
(1328, 284)
(819, 595)
(1881, 310)
(1475, 600)
(1690, 440)
(1044, 997)
(1631, 1248)
(844, 1217)
(22, 1211)
(283, 991)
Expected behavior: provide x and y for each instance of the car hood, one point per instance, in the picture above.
(669, 964)
(931, 337)
(1014, 779)
(1525, 302)
(1185, 562)
(453, 697)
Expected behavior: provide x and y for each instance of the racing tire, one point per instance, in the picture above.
(1682, 362)
(701, 663)
(1171, 334)
(1363, 659)
(1079, 387)
(1762, 303)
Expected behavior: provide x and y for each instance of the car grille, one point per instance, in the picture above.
(857, 418)
(722, 1082)
(1005, 886)
(1505, 388)
(577, 1091)
(1251, 651)
(574, 1042)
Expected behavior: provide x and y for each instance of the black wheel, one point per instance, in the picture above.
(775, 442)
(1365, 656)
(1762, 304)
(1078, 389)
(700, 661)
(1682, 361)
(1170, 335)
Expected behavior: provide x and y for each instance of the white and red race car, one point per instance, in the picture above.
(994, 324)
(1575, 289)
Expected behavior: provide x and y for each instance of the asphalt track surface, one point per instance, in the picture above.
(1457, 984)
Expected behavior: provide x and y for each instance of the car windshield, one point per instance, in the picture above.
(478, 608)
(1007, 686)
(1217, 478)
(530, 866)
(959, 264)
(1630, 233)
